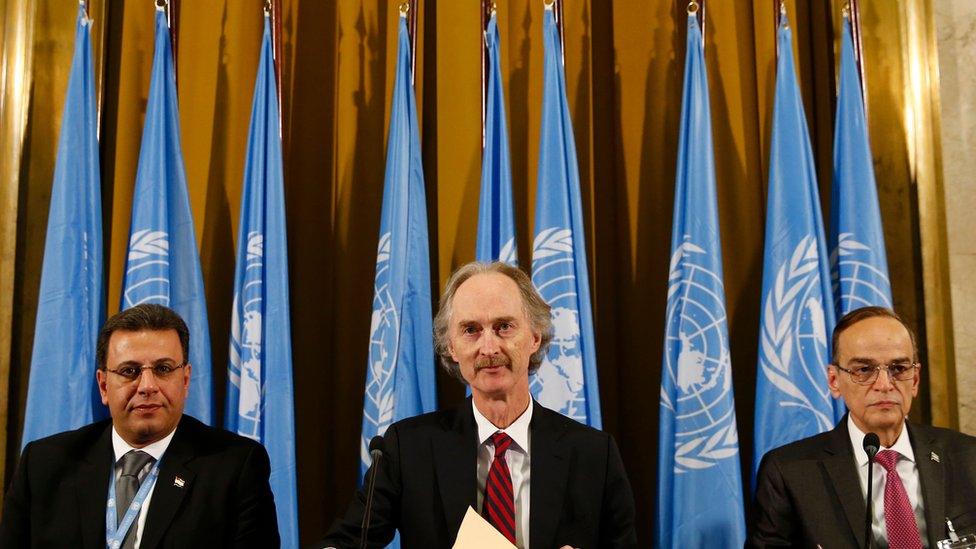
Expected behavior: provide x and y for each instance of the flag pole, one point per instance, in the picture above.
(557, 12)
(697, 8)
(272, 9)
(408, 9)
(172, 9)
(701, 22)
(853, 9)
(488, 7)
(780, 7)
(173, 18)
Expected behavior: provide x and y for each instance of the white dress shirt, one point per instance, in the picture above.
(517, 458)
(156, 450)
(908, 472)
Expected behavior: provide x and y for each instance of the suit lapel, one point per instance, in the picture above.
(549, 475)
(167, 495)
(91, 485)
(455, 450)
(931, 475)
(840, 466)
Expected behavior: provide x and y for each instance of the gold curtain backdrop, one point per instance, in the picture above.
(624, 64)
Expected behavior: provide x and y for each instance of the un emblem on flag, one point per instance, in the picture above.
(558, 383)
(697, 368)
(857, 280)
(147, 268)
(246, 337)
(384, 340)
(793, 340)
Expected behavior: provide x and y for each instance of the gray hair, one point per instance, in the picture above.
(864, 313)
(536, 310)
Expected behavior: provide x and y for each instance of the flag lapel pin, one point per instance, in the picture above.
(178, 482)
(934, 457)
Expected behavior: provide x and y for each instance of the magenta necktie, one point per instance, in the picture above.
(499, 506)
(899, 517)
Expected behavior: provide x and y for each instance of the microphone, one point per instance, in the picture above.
(375, 454)
(871, 446)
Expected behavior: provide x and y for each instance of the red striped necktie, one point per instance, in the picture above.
(499, 504)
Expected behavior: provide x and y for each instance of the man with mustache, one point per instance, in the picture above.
(150, 476)
(813, 492)
(541, 479)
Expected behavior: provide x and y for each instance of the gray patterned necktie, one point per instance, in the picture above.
(133, 462)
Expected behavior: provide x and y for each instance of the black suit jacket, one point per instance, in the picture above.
(58, 494)
(427, 478)
(808, 492)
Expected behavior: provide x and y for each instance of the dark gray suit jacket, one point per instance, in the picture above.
(808, 492)
(580, 494)
(58, 494)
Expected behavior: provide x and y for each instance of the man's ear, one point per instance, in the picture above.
(916, 379)
(101, 376)
(833, 380)
(187, 370)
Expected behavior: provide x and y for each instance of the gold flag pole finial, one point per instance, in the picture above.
(404, 8)
(161, 5)
(692, 7)
(267, 8)
(549, 4)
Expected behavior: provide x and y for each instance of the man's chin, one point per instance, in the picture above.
(885, 418)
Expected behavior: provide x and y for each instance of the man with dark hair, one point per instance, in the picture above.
(813, 492)
(541, 479)
(151, 476)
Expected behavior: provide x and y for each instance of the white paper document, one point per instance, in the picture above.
(476, 533)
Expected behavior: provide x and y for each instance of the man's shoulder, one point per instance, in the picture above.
(949, 439)
(812, 447)
(204, 437)
(68, 442)
(549, 419)
(436, 420)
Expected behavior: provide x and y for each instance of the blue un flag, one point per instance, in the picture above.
(162, 264)
(400, 374)
(496, 214)
(858, 263)
(260, 395)
(699, 480)
(566, 381)
(797, 316)
(71, 301)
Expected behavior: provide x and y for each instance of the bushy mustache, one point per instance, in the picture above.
(493, 360)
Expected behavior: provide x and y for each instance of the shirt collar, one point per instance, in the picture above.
(903, 445)
(156, 449)
(518, 430)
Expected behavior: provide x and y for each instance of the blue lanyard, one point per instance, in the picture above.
(115, 535)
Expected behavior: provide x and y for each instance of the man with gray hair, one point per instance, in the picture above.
(541, 479)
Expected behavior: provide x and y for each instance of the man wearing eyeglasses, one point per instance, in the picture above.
(813, 492)
(151, 476)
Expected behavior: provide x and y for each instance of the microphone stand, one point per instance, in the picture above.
(869, 516)
(377, 454)
(871, 445)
